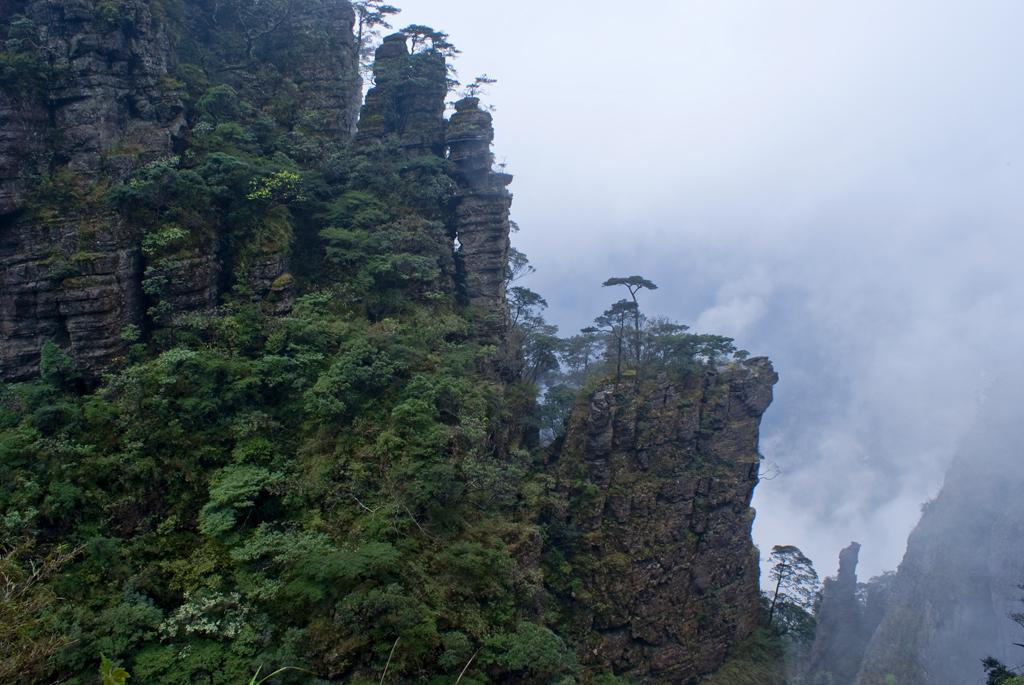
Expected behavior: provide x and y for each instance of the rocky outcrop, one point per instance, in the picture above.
(481, 213)
(408, 102)
(659, 575)
(325, 70)
(50, 289)
(301, 49)
(71, 268)
(841, 635)
(408, 98)
(958, 581)
(97, 100)
(190, 283)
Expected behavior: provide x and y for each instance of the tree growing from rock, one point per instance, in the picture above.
(371, 16)
(424, 39)
(634, 284)
(537, 339)
(796, 581)
(427, 39)
(479, 86)
(519, 266)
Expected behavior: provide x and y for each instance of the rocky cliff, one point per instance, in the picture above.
(95, 107)
(109, 94)
(660, 576)
(408, 98)
(958, 580)
(172, 176)
(407, 103)
(480, 218)
(94, 91)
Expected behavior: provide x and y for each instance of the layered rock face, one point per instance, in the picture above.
(843, 628)
(324, 68)
(481, 212)
(97, 101)
(654, 527)
(408, 98)
(408, 102)
(958, 580)
(73, 274)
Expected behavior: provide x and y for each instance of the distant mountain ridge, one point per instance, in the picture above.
(959, 579)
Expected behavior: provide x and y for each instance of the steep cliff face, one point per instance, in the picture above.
(480, 218)
(156, 161)
(72, 272)
(407, 103)
(408, 98)
(660, 574)
(958, 580)
(96, 96)
(106, 90)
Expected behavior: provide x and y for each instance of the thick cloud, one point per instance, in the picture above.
(837, 185)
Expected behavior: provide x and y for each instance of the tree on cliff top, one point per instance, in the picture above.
(479, 86)
(426, 39)
(371, 16)
(614, 322)
(633, 284)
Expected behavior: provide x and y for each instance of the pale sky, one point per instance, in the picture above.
(838, 185)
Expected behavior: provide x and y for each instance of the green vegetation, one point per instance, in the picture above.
(252, 491)
(479, 86)
(267, 490)
(111, 673)
(27, 641)
(623, 344)
(998, 674)
(795, 591)
(351, 486)
(371, 17)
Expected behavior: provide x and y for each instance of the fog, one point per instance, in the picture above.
(965, 561)
(837, 185)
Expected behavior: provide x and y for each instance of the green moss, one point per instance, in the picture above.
(282, 282)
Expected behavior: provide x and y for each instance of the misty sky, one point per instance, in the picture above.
(837, 185)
